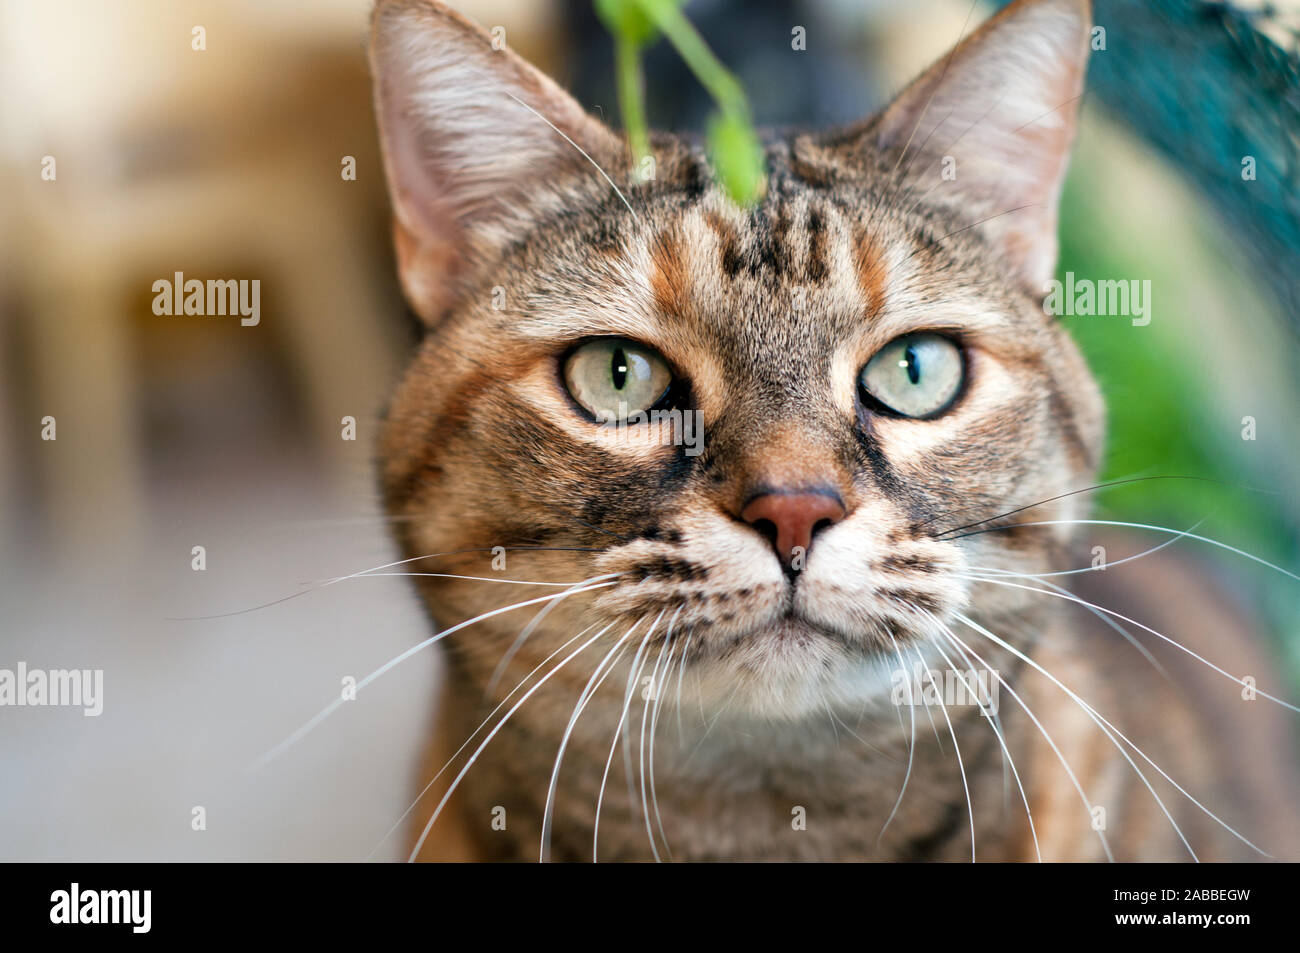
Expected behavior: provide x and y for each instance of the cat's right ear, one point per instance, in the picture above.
(474, 141)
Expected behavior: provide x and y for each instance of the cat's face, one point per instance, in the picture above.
(837, 380)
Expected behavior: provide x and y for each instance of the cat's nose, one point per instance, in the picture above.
(789, 520)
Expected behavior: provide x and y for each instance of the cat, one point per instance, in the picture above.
(661, 655)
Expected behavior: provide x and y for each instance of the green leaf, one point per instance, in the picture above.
(737, 157)
(734, 148)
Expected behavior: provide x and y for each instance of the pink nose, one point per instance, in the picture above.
(789, 520)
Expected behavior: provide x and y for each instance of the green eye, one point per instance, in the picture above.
(916, 375)
(613, 377)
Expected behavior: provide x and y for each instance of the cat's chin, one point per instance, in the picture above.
(792, 668)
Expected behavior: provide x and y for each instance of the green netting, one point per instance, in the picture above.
(1215, 87)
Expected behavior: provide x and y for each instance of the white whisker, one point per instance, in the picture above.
(1046, 737)
(641, 750)
(997, 731)
(634, 670)
(1061, 595)
(593, 685)
(1109, 565)
(337, 703)
(449, 575)
(654, 727)
(424, 834)
(1158, 529)
(1096, 611)
(466, 743)
(578, 147)
(1091, 713)
(970, 810)
(681, 671)
(1104, 724)
(528, 630)
(911, 745)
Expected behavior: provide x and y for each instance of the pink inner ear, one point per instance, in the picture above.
(1002, 109)
(468, 164)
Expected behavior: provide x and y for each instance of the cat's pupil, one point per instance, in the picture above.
(912, 363)
(618, 368)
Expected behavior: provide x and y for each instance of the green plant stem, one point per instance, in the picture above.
(627, 55)
(690, 46)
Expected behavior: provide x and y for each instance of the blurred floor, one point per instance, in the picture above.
(190, 705)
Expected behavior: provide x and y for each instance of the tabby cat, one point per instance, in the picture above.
(825, 630)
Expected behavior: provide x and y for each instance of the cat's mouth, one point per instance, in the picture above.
(794, 627)
(791, 630)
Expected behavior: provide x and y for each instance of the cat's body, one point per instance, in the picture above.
(750, 606)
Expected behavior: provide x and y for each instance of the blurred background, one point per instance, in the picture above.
(176, 432)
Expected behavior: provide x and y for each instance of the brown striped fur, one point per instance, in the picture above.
(513, 247)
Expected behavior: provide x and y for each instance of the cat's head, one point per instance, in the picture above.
(845, 375)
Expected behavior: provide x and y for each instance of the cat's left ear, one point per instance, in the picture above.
(477, 144)
(994, 120)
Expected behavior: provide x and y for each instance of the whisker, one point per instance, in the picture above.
(1106, 566)
(681, 670)
(364, 572)
(1087, 489)
(1111, 623)
(425, 790)
(1096, 611)
(947, 150)
(398, 659)
(1088, 710)
(603, 173)
(975, 224)
(926, 108)
(970, 810)
(654, 727)
(1103, 723)
(1258, 691)
(641, 750)
(528, 630)
(448, 575)
(997, 731)
(593, 685)
(911, 745)
(424, 834)
(345, 521)
(717, 715)
(994, 719)
(930, 715)
(1159, 529)
(830, 716)
(1087, 804)
(920, 151)
(633, 672)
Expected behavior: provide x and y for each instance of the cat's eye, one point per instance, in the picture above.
(614, 377)
(916, 375)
